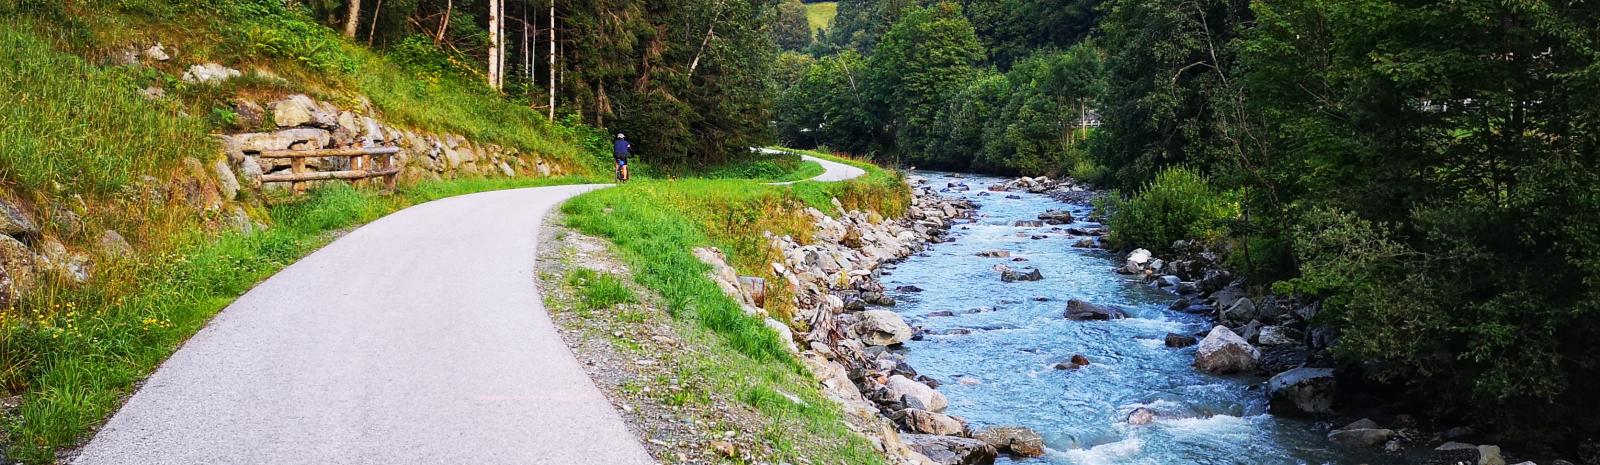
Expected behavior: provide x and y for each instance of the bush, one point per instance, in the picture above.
(1179, 204)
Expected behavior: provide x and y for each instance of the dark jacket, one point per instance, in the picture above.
(620, 149)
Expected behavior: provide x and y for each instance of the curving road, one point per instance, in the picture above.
(417, 339)
(832, 170)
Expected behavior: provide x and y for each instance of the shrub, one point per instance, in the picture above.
(1178, 204)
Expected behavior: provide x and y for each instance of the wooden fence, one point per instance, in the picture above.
(359, 166)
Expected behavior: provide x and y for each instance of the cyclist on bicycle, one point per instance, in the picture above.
(619, 150)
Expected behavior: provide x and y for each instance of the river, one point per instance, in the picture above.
(996, 354)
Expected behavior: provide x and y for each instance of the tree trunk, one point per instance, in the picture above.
(449, 5)
(552, 57)
(352, 18)
(494, 44)
(372, 29)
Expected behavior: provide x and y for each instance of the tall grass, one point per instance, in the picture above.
(68, 123)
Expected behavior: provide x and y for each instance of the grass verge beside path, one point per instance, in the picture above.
(80, 360)
(654, 226)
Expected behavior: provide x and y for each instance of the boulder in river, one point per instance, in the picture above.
(1056, 216)
(1141, 416)
(1301, 391)
(1363, 433)
(923, 421)
(1014, 440)
(951, 450)
(1084, 243)
(1175, 340)
(931, 399)
(882, 328)
(1030, 274)
(1080, 310)
(994, 254)
(1077, 361)
(1224, 352)
(1028, 223)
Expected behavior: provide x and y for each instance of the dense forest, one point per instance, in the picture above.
(1427, 169)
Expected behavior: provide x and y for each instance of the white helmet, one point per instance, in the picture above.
(620, 136)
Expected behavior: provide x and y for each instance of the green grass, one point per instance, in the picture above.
(764, 167)
(708, 370)
(599, 291)
(71, 123)
(820, 14)
(76, 352)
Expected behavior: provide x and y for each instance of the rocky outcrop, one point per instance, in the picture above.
(1302, 391)
(1224, 352)
(1007, 274)
(1080, 310)
(303, 123)
(1017, 441)
(882, 328)
(951, 450)
(833, 278)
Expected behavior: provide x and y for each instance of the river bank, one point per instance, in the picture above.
(972, 326)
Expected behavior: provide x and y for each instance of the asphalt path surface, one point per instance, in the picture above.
(417, 339)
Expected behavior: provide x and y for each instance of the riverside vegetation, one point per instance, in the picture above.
(1423, 170)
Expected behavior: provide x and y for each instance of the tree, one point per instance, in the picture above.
(352, 17)
(828, 105)
(793, 30)
(923, 61)
(1013, 29)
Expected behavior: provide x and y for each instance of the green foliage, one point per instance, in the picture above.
(1024, 122)
(276, 32)
(1179, 204)
(923, 61)
(1011, 30)
(1167, 62)
(792, 30)
(828, 105)
(76, 125)
(599, 291)
(643, 73)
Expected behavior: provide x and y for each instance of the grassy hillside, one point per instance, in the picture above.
(820, 14)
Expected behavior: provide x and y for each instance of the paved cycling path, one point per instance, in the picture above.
(417, 339)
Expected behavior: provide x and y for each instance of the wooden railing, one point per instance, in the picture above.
(360, 159)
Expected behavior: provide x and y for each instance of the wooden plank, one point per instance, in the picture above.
(327, 175)
(298, 168)
(327, 152)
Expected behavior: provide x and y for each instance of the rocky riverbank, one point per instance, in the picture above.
(1277, 336)
(841, 331)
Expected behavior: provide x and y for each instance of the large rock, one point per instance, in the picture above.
(1056, 217)
(951, 450)
(882, 328)
(1010, 275)
(931, 399)
(15, 222)
(1301, 391)
(1241, 312)
(1175, 340)
(1278, 336)
(1224, 352)
(209, 73)
(1363, 433)
(297, 138)
(923, 421)
(1141, 416)
(1080, 310)
(1014, 440)
(300, 110)
(16, 270)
